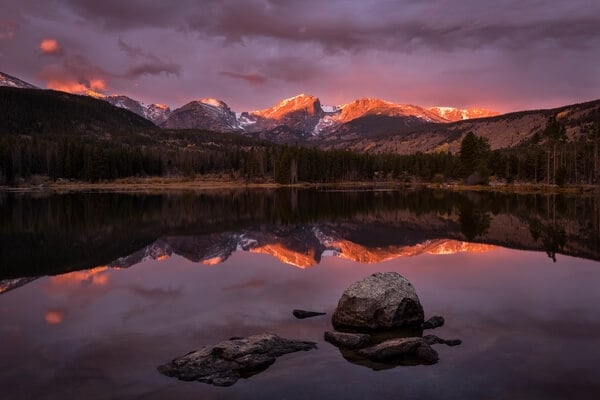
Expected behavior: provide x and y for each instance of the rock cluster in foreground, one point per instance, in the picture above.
(379, 323)
(224, 363)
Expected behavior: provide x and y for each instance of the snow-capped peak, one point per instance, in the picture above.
(212, 102)
(292, 100)
(457, 114)
(298, 96)
(11, 81)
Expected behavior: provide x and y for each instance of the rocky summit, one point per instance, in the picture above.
(384, 300)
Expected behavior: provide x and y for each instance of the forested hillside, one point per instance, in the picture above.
(55, 135)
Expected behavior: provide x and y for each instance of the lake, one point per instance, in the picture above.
(99, 289)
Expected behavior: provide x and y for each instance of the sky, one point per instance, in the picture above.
(505, 55)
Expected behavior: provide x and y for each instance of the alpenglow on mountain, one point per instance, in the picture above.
(304, 116)
(301, 116)
(363, 125)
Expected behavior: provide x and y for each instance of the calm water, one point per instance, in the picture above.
(100, 289)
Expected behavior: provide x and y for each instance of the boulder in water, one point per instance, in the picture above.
(382, 301)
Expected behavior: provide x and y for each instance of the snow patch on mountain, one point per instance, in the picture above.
(326, 123)
(245, 120)
(11, 81)
(157, 113)
(330, 109)
(456, 114)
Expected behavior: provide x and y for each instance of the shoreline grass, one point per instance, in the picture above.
(159, 184)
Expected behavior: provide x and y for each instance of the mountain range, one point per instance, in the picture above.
(216, 249)
(304, 118)
(363, 125)
(302, 247)
(302, 115)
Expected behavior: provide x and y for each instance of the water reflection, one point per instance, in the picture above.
(50, 234)
(515, 311)
(54, 317)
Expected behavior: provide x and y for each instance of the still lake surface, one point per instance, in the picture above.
(98, 289)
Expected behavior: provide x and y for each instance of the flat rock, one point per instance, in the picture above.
(384, 300)
(301, 314)
(224, 363)
(347, 340)
(433, 322)
(413, 350)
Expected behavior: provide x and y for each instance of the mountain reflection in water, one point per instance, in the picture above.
(51, 234)
(133, 283)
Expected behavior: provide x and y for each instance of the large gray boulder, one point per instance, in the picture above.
(224, 363)
(382, 301)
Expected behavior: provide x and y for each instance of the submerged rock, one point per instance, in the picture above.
(301, 314)
(224, 363)
(433, 322)
(384, 300)
(432, 339)
(403, 351)
(347, 340)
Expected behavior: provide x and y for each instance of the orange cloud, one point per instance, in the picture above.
(50, 46)
(72, 86)
(66, 86)
(54, 317)
(97, 84)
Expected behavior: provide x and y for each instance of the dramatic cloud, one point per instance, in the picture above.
(70, 86)
(504, 55)
(152, 65)
(134, 51)
(132, 14)
(342, 25)
(153, 68)
(255, 79)
(76, 74)
(50, 46)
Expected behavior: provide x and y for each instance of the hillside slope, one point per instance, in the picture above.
(33, 111)
(502, 131)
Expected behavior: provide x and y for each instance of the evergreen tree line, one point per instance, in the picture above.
(547, 158)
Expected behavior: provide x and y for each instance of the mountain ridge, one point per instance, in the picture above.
(303, 114)
(10, 81)
(363, 125)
